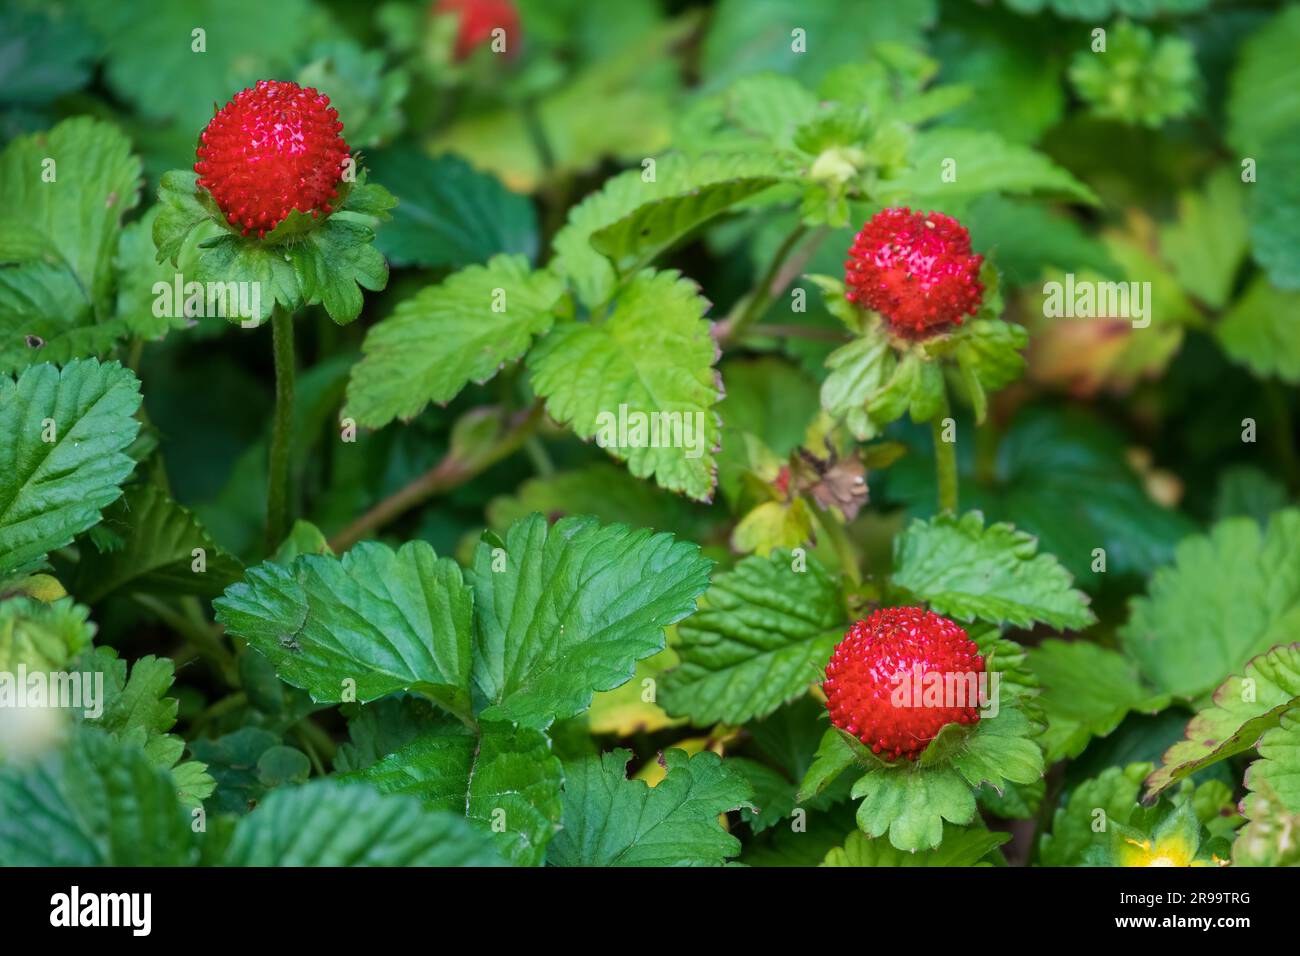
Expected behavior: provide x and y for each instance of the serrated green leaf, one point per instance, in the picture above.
(612, 821)
(1260, 331)
(135, 710)
(984, 163)
(652, 357)
(62, 197)
(912, 805)
(859, 372)
(385, 620)
(651, 229)
(988, 354)
(152, 62)
(448, 213)
(94, 802)
(63, 458)
(1229, 595)
(959, 847)
(42, 636)
(675, 178)
(328, 823)
(504, 780)
(1272, 803)
(465, 329)
(565, 611)
(1082, 820)
(382, 727)
(1086, 691)
(1244, 708)
(157, 557)
(762, 635)
(1207, 242)
(967, 571)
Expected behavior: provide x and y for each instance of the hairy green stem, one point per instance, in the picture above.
(277, 486)
(839, 539)
(749, 309)
(945, 462)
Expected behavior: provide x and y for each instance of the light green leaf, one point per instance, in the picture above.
(1261, 331)
(1263, 114)
(42, 636)
(752, 36)
(385, 620)
(503, 776)
(912, 804)
(1086, 691)
(959, 847)
(152, 64)
(465, 329)
(1244, 708)
(449, 214)
(988, 353)
(762, 635)
(985, 163)
(859, 372)
(652, 357)
(62, 197)
(135, 710)
(157, 554)
(570, 612)
(94, 802)
(1137, 79)
(1268, 839)
(995, 574)
(1272, 804)
(835, 754)
(328, 823)
(612, 821)
(651, 229)
(62, 460)
(1229, 595)
(630, 196)
(1114, 792)
(1207, 242)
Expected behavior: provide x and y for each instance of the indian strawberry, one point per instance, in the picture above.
(478, 18)
(915, 269)
(876, 685)
(273, 148)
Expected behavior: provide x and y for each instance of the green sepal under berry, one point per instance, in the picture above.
(303, 261)
(911, 800)
(879, 377)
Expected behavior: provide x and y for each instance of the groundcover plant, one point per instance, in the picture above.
(526, 433)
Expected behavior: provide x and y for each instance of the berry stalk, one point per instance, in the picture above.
(945, 461)
(277, 486)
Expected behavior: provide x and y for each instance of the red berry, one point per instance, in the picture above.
(478, 18)
(876, 685)
(275, 147)
(916, 270)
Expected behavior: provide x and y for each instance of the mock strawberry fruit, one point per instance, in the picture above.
(273, 148)
(916, 269)
(877, 686)
(478, 18)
